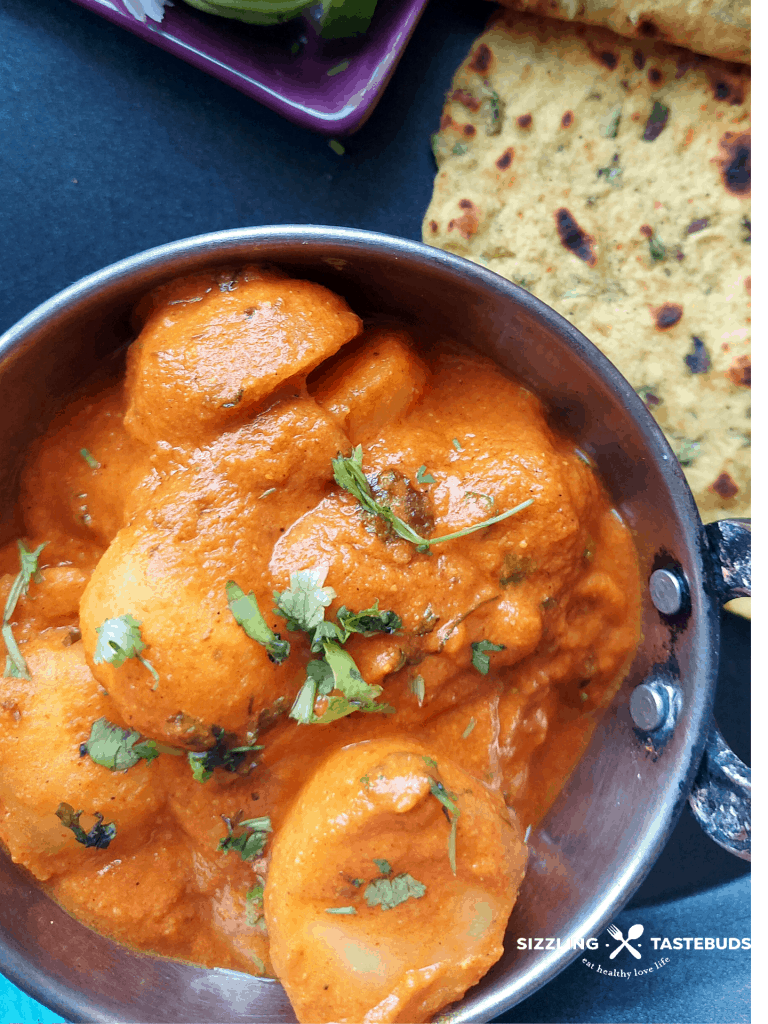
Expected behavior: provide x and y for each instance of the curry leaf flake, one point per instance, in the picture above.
(99, 837)
(15, 665)
(120, 639)
(348, 473)
(388, 893)
(247, 615)
(248, 838)
(480, 658)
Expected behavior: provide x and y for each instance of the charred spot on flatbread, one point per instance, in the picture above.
(698, 360)
(735, 162)
(657, 121)
(567, 119)
(481, 61)
(667, 315)
(740, 371)
(724, 486)
(574, 238)
(504, 161)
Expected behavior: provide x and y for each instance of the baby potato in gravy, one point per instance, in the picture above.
(307, 622)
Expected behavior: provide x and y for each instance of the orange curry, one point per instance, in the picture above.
(323, 619)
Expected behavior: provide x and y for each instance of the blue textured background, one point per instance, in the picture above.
(110, 146)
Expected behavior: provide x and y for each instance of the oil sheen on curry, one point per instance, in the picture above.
(307, 624)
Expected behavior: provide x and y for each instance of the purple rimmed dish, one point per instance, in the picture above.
(655, 747)
(328, 87)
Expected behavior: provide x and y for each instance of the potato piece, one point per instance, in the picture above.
(379, 382)
(204, 359)
(63, 496)
(141, 898)
(42, 724)
(367, 920)
(216, 520)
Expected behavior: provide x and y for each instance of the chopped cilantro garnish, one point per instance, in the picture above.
(219, 756)
(118, 749)
(99, 837)
(383, 865)
(448, 800)
(480, 659)
(15, 665)
(423, 477)
(456, 445)
(120, 639)
(470, 726)
(368, 622)
(609, 126)
(340, 910)
(247, 614)
(388, 893)
(93, 463)
(348, 473)
(430, 762)
(254, 905)
(303, 604)
(248, 838)
(418, 688)
(269, 490)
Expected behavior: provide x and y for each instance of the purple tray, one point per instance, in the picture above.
(330, 87)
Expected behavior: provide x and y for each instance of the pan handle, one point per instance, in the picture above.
(721, 795)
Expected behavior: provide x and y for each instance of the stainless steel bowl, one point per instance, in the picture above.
(619, 806)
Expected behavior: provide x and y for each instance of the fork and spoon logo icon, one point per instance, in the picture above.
(635, 931)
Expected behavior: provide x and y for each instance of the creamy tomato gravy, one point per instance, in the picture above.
(212, 461)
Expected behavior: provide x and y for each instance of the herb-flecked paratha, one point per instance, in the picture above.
(720, 28)
(611, 178)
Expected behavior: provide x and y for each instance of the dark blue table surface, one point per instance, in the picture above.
(110, 146)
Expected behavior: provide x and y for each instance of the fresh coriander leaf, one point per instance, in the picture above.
(93, 463)
(120, 639)
(456, 445)
(459, 148)
(609, 126)
(423, 477)
(348, 474)
(204, 762)
(99, 837)
(470, 726)
(248, 838)
(118, 749)
(303, 604)
(346, 674)
(448, 800)
(327, 631)
(254, 905)
(368, 622)
(418, 688)
(389, 893)
(269, 490)
(478, 494)
(480, 659)
(245, 610)
(657, 248)
(15, 665)
(383, 865)
(430, 762)
(319, 681)
(477, 526)
(340, 707)
(340, 910)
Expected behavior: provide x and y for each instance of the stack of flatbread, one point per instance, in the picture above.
(609, 174)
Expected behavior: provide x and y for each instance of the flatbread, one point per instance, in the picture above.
(611, 179)
(720, 28)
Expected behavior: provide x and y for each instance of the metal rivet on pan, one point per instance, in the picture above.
(649, 706)
(668, 591)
